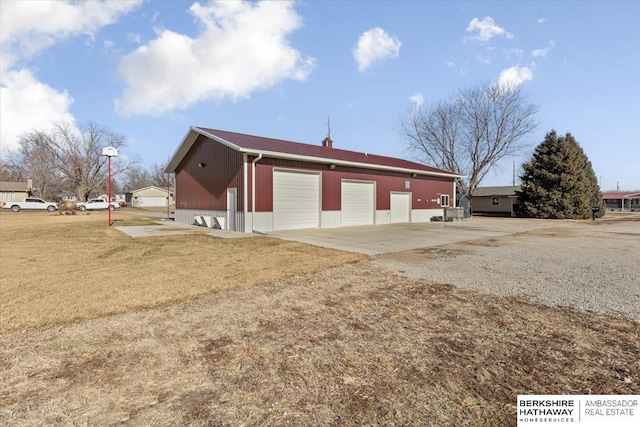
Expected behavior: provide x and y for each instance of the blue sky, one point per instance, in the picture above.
(150, 69)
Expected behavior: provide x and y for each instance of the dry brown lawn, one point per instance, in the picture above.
(306, 342)
(63, 268)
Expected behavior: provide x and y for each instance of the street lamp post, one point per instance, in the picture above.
(162, 170)
(109, 152)
(168, 196)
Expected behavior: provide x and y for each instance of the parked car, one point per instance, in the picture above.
(95, 204)
(30, 203)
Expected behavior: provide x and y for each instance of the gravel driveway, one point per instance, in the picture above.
(592, 266)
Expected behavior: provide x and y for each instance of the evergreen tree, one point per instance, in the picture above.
(558, 181)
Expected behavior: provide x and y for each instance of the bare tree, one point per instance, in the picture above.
(12, 168)
(472, 131)
(32, 160)
(135, 178)
(75, 157)
(159, 178)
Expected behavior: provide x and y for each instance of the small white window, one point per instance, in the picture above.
(444, 200)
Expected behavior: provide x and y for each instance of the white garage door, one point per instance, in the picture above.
(400, 207)
(296, 200)
(357, 203)
(146, 202)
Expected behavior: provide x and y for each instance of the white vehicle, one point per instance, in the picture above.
(95, 204)
(30, 203)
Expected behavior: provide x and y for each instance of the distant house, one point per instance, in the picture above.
(15, 191)
(495, 201)
(151, 197)
(622, 200)
(68, 197)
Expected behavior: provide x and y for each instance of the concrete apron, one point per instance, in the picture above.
(380, 239)
(368, 239)
(170, 228)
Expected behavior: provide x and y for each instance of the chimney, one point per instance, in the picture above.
(29, 185)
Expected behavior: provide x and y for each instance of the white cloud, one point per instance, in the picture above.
(375, 46)
(27, 104)
(542, 20)
(485, 59)
(417, 99)
(242, 48)
(515, 76)
(486, 29)
(450, 64)
(26, 29)
(516, 52)
(134, 38)
(540, 53)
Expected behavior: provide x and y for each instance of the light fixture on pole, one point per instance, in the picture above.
(109, 152)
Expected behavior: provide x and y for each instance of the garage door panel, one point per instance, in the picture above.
(358, 203)
(151, 201)
(400, 207)
(296, 200)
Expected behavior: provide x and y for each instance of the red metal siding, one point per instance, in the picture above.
(424, 189)
(206, 187)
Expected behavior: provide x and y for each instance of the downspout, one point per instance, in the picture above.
(455, 204)
(245, 191)
(253, 193)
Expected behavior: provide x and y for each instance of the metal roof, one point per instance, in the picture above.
(13, 186)
(621, 195)
(277, 148)
(508, 190)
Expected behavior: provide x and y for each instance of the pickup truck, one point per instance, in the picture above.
(30, 203)
(95, 204)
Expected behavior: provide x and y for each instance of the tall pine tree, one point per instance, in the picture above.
(558, 181)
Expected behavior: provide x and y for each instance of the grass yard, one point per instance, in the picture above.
(59, 269)
(262, 332)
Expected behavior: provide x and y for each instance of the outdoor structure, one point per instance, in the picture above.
(256, 184)
(15, 191)
(622, 201)
(67, 196)
(495, 201)
(151, 197)
(464, 201)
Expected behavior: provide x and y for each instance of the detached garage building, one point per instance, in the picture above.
(151, 197)
(252, 183)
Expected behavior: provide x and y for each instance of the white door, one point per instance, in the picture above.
(400, 207)
(296, 200)
(232, 206)
(358, 203)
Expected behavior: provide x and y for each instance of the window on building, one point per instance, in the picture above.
(444, 200)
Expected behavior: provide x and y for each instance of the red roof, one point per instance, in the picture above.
(251, 143)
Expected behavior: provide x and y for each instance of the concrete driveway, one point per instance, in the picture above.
(380, 239)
